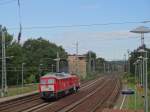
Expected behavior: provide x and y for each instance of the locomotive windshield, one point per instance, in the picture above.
(42, 81)
(51, 81)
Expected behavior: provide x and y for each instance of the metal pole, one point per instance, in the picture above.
(108, 67)
(4, 75)
(93, 65)
(143, 71)
(52, 68)
(89, 61)
(146, 86)
(139, 73)
(141, 76)
(23, 74)
(104, 68)
(124, 62)
(2, 85)
(128, 61)
(142, 40)
(17, 83)
(135, 85)
(77, 70)
(57, 62)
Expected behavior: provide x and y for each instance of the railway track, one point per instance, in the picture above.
(9, 104)
(109, 99)
(94, 101)
(70, 100)
(32, 102)
(77, 106)
(62, 102)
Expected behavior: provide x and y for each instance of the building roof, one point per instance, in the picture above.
(57, 75)
(77, 55)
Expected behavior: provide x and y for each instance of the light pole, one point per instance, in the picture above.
(141, 30)
(145, 79)
(128, 61)
(22, 74)
(141, 69)
(146, 84)
(124, 62)
(135, 73)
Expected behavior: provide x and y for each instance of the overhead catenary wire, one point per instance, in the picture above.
(79, 25)
(5, 2)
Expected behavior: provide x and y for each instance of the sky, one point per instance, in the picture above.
(108, 41)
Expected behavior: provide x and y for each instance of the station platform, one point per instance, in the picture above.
(122, 110)
(17, 96)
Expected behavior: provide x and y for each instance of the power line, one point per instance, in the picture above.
(80, 25)
(7, 2)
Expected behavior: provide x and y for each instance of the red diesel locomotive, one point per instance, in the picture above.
(55, 85)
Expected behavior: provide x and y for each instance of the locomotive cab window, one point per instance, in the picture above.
(51, 81)
(43, 82)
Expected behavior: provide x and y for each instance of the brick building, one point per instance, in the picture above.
(78, 65)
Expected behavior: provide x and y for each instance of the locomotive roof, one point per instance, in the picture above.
(57, 75)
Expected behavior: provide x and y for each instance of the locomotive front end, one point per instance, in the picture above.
(47, 88)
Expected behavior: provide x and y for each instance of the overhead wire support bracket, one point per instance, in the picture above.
(20, 23)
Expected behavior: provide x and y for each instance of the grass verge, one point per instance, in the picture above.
(12, 91)
(130, 99)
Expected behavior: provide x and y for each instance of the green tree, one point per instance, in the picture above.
(14, 63)
(100, 64)
(41, 51)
